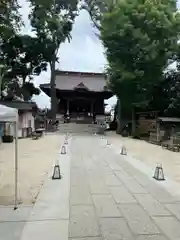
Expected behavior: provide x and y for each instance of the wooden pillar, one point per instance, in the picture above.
(157, 127)
(157, 131)
(133, 120)
(67, 107)
(92, 108)
(118, 117)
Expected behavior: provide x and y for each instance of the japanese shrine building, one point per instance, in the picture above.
(80, 94)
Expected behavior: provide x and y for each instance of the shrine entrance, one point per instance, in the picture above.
(80, 106)
(80, 95)
(81, 109)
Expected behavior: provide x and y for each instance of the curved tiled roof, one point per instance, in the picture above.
(72, 81)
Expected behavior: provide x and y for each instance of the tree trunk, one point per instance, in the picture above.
(0, 86)
(24, 80)
(1, 79)
(133, 121)
(118, 130)
(53, 90)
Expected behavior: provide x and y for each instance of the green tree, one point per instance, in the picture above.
(140, 38)
(170, 90)
(23, 55)
(96, 9)
(28, 90)
(13, 91)
(10, 19)
(52, 21)
(10, 23)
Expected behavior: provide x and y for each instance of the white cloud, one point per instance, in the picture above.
(84, 52)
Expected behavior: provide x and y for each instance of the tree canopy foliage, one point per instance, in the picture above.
(140, 39)
(10, 20)
(24, 54)
(22, 58)
(52, 22)
(96, 9)
(20, 55)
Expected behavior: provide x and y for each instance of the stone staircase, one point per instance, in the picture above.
(77, 128)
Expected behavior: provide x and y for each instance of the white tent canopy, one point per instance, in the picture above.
(8, 114)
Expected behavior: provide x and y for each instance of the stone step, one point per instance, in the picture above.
(77, 128)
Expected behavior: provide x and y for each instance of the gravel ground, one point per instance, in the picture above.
(35, 160)
(150, 154)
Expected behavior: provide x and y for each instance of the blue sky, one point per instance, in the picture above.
(83, 53)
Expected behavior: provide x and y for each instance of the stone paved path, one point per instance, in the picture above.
(111, 200)
(101, 196)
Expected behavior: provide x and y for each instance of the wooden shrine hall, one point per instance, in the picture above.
(80, 95)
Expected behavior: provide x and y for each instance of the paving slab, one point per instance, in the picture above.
(122, 195)
(139, 198)
(90, 164)
(77, 162)
(49, 218)
(174, 208)
(95, 175)
(20, 214)
(106, 170)
(105, 206)
(170, 226)
(98, 187)
(138, 175)
(160, 193)
(46, 230)
(130, 182)
(83, 222)
(100, 197)
(115, 229)
(133, 186)
(80, 195)
(53, 200)
(151, 205)
(88, 238)
(11, 230)
(113, 165)
(138, 220)
(112, 180)
(152, 237)
(78, 177)
(123, 174)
